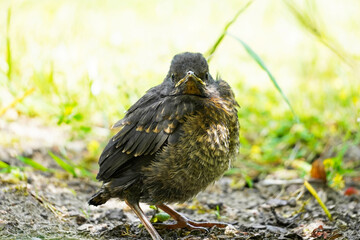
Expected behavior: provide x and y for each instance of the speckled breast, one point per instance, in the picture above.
(201, 155)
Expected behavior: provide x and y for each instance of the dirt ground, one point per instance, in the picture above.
(45, 206)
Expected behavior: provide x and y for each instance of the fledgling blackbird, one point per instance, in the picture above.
(172, 143)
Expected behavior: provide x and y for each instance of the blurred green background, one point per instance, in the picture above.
(79, 65)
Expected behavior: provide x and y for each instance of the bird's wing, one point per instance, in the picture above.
(143, 131)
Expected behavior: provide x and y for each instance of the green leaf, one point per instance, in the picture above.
(217, 212)
(249, 181)
(78, 117)
(3, 164)
(85, 129)
(153, 207)
(33, 163)
(66, 166)
(259, 61)
(162, 216)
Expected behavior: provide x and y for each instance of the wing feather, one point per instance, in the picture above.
(143, 131)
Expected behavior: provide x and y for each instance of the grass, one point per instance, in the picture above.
(262, 65)
(8, 46)
(308, 18)
(87, 72)
(210, 53)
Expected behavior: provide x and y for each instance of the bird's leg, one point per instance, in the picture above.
(184, 222)
(149, 227)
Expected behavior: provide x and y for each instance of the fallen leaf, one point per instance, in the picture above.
(318, 170)
(351, 191)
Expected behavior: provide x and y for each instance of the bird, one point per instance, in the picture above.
(178, 138)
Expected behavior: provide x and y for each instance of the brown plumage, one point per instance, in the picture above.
(173, 142)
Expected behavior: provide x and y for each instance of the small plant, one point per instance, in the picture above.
(217, 213)
(159, 216)
(13, 174)
(334, 169)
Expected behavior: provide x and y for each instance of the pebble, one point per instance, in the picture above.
(231, 230)
(85, 227)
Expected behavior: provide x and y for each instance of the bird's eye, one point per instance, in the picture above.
(172, 76)
(207, 76)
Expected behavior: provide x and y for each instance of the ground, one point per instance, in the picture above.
(51, 206)
(69, 70)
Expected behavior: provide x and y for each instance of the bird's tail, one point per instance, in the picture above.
(101, 197)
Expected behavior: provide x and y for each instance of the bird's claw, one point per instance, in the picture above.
(186, 225)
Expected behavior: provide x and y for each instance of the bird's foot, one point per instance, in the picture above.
(184, 222)
(191, 225)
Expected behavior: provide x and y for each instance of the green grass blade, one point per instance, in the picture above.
(8, 46)
(67, 167)
(209, 54)
(309, 19)
(259, 61)
(33, 163)
(3, 164)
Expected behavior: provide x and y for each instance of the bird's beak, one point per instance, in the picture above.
(189, 75)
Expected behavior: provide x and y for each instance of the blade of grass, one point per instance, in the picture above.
(86, 173)
(316, 196)
(80, 170)
(8, 46)
(16, 101)
(258, 60)
(209, 54)
(67, 167)
(33, 164)
(309, 20)
(3, 164)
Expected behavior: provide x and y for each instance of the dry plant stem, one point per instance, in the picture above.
(275, 182)
(310, 22)
(57, 212)
(300, 193)
(149, 227)
(281, 192)
(16, 101)
(183, 222)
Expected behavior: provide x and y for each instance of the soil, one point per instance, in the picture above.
(43, 205)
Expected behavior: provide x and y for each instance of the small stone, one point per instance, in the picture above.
(292, 202)
(85, 227)
(115, 214)
(275, 229)
(341, 224)
(101, 228)
(80, 220)
(222, 237)
(231, 230)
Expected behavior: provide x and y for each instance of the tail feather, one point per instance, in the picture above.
(99, 198)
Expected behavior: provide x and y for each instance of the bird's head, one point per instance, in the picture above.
(189, 74)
